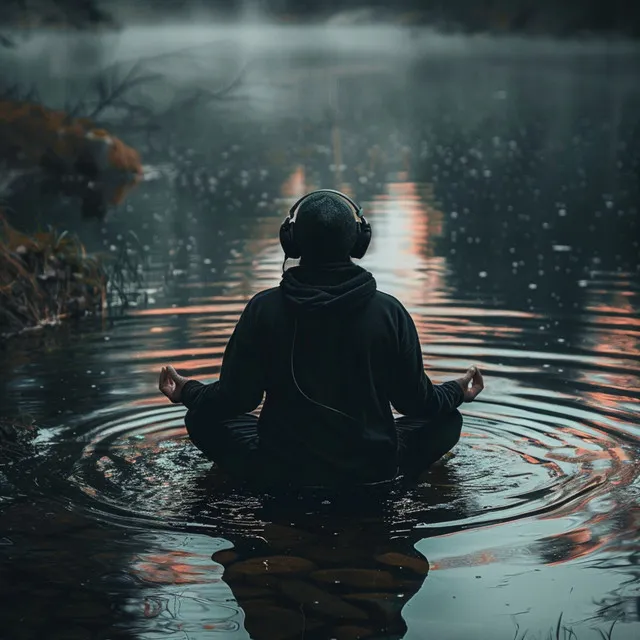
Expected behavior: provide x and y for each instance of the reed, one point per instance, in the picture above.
(48, 276)
(562, 632)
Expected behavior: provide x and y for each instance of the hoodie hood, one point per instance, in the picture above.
(330, 287)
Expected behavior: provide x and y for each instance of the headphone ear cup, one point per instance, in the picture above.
(363, 240)
(287, 240)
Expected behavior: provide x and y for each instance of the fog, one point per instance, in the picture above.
(501, 177)
(394, 78)
(212, 54)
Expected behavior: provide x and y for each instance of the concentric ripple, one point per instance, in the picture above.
(502, 188)
(545, 471)
(553, 439)
(139, 469)
(511, 464)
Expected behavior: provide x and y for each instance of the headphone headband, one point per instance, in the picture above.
(356, 207)
(287, 235)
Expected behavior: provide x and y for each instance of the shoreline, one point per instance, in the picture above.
(47, 278)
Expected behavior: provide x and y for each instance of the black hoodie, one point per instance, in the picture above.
(332, 354)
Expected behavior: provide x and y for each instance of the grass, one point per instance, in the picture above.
(562, 632)
(48, 276)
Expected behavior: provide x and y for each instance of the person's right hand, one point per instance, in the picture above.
(473, 377)
(171, 384)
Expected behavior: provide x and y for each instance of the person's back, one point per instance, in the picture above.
(330, 354)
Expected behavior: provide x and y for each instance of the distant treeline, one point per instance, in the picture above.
(554, 17)
(564, 17)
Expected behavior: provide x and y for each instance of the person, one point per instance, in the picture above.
(330, 354)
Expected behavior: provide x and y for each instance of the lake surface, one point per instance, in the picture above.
(502, 183)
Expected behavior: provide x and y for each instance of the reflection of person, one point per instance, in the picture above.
(332, 353)
(343, 578)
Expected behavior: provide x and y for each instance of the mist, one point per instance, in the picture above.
(250, 69)
(495, 153)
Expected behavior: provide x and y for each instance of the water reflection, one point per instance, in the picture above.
(59, 564)
(477, 190)
(336, 578)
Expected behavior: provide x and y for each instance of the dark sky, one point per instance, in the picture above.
(553, 15)
(559, 17)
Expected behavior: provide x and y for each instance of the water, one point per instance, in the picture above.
(505, 218)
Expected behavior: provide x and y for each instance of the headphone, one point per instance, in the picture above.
(287, 236)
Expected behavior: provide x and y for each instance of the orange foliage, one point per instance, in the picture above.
(29, 133)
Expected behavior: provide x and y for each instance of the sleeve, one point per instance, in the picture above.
(241, 384)
(412, 393)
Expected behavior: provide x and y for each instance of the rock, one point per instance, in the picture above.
(331, 555)
(387, 606)
(394, 559)
(243, 592)
(225, 558)
(269, 565)
(262, 581)
(320, 602)
(351, 633)
(282, 538)
(358, 578)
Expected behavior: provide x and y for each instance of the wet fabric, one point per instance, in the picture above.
(234, 445)
(330, 355)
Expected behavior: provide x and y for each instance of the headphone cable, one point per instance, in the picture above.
(295, 381)
(346, 415)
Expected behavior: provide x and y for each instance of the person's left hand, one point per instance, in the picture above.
(474, 377)
(171, 384)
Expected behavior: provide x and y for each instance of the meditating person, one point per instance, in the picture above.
(331, 355)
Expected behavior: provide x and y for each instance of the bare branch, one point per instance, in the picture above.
(7, 42)
(202, 96)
